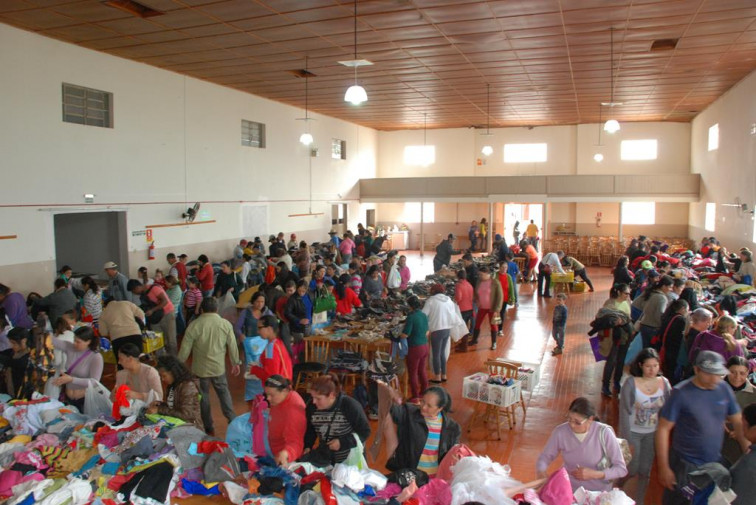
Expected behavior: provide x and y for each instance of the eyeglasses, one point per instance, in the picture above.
(573, 422)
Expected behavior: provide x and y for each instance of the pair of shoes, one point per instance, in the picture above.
(493, 346)
(606, 392)
(556, 351)
(500, 333)
(547, 296)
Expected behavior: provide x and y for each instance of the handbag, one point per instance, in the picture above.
(596, 347)
(605, 462)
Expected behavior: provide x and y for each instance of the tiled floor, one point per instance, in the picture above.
(526, 338)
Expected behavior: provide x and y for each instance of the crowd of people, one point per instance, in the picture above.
(687, 364)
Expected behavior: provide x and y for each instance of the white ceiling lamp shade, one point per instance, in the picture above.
(598, 157)
(488, 149)
(355, 94)
(306, 138)
(612, 125)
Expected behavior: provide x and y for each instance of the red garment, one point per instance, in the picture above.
(350, 300)
(281, 307)
(181, 270)
(286, 429)
(463, 295)
(121, 400)
(504, 281)
(210, 446)
(206, 277)
(275, 360)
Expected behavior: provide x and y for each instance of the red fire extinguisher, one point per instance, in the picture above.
(151, 251)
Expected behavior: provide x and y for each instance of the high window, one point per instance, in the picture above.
(87, 106)
(711, 216)
(638, 150)
(252, 134)
(638, 213)
(525, 153)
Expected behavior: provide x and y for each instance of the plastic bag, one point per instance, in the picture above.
(636, 346)
(97, 400)
(51, 390)
(226, 302)
(239, 435)
(356, 456)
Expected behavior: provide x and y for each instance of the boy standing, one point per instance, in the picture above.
(559, 323)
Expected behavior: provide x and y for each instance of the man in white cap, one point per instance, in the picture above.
(117, 283)
(334, 237)
(697, 410)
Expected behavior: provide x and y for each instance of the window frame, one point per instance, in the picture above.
(339, 153)
(249, 127)
(87, 99)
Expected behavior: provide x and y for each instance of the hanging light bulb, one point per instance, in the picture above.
(306, 138)
(598, 157)
(488, 149)
(356, 94)
(612, 126)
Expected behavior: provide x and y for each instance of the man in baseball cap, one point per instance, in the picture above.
(697, 410)
(116, 283)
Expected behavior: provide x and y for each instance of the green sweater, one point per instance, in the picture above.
(208, 339)
(416, 329)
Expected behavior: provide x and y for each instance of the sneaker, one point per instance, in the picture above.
(373, 416)
(556, 351)
(606, 392)
(547, 296)
(493, 346)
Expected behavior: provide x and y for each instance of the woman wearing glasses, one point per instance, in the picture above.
(590, 450)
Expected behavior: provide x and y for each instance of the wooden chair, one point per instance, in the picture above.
(315, 362)
(594, 256)
(486, 412)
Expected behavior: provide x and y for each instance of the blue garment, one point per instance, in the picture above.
(335, 240)
(513, 269)
(197, 488)
(253, 349)
(699, 415)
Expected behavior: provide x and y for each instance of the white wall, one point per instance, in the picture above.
(176, 140)
(570, 151)
(730, 171)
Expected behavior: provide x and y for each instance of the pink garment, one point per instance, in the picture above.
(435, 492)
(484, 294)
(392, 489)
(454, 454)
(557, 490)
(45, 440)
(10, 478)
(31, 458)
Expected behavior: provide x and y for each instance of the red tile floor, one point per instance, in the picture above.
(527, 331)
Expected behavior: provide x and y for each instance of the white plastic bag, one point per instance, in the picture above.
(356, 456)
(51, 390)
(459, 329)
(226, 302)
(97, 400)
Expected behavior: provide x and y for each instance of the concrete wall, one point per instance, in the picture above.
(175, 141)
(728, 173)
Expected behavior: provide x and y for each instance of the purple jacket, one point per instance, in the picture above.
(710, 341)
(587, 454)
(15, 308)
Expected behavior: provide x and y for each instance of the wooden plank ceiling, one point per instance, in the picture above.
(547, 61)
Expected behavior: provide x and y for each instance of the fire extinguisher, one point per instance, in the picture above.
(151, 251)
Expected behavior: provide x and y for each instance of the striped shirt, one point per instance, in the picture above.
(429, 458)
(192, 298)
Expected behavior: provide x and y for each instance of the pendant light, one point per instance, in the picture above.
(488, 149)
(306, 138)
(612, 125)
(356, 94)
(598, 157)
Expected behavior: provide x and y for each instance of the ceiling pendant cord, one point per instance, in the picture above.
(307, 91)
(488, 109)
(611, 68)
(355, 36)
(425, 128)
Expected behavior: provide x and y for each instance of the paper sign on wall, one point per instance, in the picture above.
(148, 235)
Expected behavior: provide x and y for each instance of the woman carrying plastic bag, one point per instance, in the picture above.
(97, 400)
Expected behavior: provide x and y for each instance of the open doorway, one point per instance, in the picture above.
(339, 218)
(85, 241)
(522, 213)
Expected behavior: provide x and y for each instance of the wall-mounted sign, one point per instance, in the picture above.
(149, 234)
